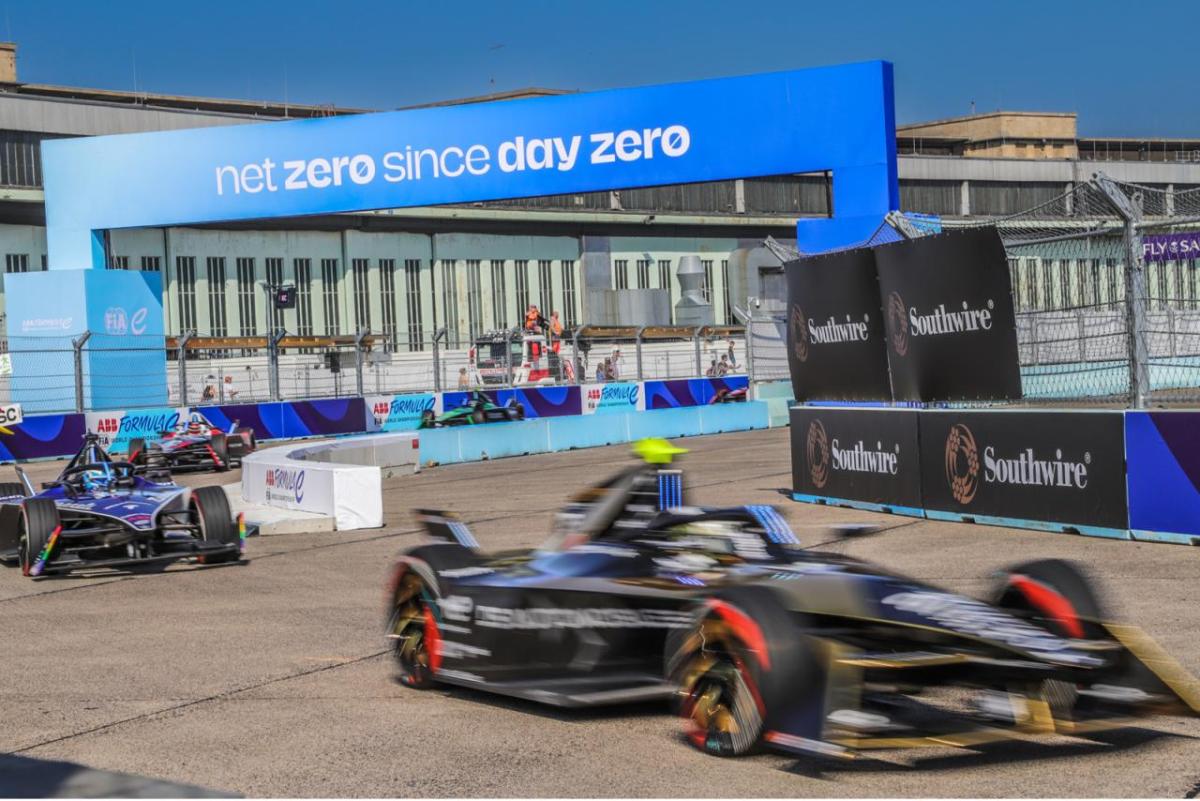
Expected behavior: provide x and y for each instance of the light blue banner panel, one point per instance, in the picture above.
(831, 118)
(124, 363)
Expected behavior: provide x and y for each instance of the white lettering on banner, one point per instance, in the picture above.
(833, 331)
(940, 321)
(1027, 469)
(519, 154)
(858, 459)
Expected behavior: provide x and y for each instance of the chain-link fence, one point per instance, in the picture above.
(1106, 289)
(98, 372)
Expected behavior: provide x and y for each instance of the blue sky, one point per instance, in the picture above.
(1050, 56)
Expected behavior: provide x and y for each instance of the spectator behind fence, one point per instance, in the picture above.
(231, 391)
(209, 395)
(723, 366)
(732, 358)
(556, 331)
(464, 381)
(615, 365)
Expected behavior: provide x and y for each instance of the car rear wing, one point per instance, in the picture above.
(446, 527)
(25, 482)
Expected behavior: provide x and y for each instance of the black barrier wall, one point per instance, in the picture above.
(1064, 467)
(948, 312)
(836, 347)
(864, 455)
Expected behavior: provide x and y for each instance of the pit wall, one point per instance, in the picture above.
(54, 436)
(1125, 475)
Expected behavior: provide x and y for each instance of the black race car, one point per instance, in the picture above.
(479, 408)
(193, 445)
(102, 513)
(762, 643)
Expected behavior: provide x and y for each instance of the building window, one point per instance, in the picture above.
(621, 274)
(545, 292)
(247, 314)
(450, 302)
(1047, 284)
(1163, 291)
(120, 263)
(362, 296)
(387, 287)
(1192, 285)
(664, 274)
(522, 268)
(725, 290)
(568, 293)
(151, 264)
(643, 273)
(412, 296)
(329, 296)
(474, 299)
(218, 324)
(185, 269)
(707, 287)
(499, 295)
(16, 263)
(45, 261)
(274, 281)
(304, 318)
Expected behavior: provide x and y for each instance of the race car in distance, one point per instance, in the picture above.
(479, 408)
(194, 444)
(761, 642)
(101, 513)
(725, 395)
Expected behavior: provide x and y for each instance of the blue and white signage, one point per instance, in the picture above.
(832, 118)
(613, 397)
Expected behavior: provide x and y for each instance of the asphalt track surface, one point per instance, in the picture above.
(272, 678)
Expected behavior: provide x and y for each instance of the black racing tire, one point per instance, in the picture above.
(39, 519)
(478, 416)
(220, 446)
(135, 454)
(11, 489)
(412, 612)
(1064, 578)
(209, 511)
(519, 408)
(738, 670)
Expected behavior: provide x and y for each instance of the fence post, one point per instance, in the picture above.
(749, 342)
(273, 361)
(437, 359)
(579, 365)
(77, 345)
(637, 350)
(359, 336)
(696, 339)
(508, 360)
(1135, 291)
(183, 343)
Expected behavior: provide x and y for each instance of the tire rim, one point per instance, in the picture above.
(415, 632)
(721, 703)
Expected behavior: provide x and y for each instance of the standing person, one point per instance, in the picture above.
(610, 372)
(732, 358)
(209, 395)
(556, 331)
(464, 381)
(231, 391)
(616, 364)
(723, 366)
(601, 369)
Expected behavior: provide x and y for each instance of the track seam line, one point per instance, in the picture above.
(196, 702)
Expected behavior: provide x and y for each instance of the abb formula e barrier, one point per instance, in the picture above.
(638, 596)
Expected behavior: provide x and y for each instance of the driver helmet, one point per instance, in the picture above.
(194, 427)
(97, 479)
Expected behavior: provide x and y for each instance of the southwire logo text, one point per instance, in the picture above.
(1027, 469)
(858, 459)
(941, 321)
(832, 331)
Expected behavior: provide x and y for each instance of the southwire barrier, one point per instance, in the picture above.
(1120, 474)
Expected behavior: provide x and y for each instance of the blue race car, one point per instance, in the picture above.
(98, 513)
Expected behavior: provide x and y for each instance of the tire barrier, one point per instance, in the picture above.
(1124, 475)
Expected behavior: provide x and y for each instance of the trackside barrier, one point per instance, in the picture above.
(1123, 475)
(475, 443)
(342, 480)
